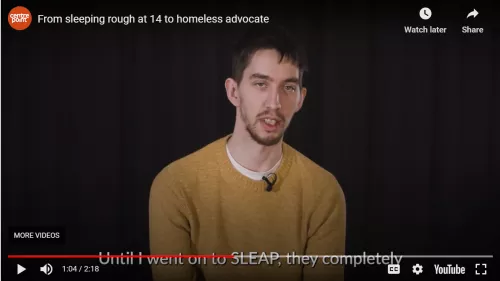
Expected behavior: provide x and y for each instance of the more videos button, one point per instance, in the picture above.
(36, 235)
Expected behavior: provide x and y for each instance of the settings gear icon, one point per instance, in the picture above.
(417, 269)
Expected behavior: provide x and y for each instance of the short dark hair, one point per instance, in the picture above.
(267, 37)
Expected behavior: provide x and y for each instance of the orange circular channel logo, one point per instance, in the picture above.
(20, 18)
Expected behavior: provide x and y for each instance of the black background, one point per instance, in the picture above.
(408, 123)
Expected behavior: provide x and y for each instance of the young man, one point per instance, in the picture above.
(250, 191)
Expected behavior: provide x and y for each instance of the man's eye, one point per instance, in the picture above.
(260, 84)
(290, 88)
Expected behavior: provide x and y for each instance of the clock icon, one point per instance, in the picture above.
(425, 13)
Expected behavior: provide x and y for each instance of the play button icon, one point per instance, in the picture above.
(20, 269)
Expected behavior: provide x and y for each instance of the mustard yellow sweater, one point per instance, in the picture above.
(201, 205)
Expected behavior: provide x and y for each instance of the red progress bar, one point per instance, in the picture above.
(115, 256)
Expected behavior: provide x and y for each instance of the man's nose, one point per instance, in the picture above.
(273, 99)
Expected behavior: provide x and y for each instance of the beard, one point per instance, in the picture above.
(252, 128)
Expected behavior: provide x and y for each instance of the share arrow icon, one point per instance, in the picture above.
(473, 14)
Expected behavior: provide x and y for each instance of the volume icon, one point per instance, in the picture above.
(47, 269)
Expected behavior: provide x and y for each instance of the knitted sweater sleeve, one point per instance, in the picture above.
(169, 228)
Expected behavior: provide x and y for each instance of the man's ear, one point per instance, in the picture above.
(303, 93)
(232, 91)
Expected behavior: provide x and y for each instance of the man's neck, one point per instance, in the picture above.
(252, 155)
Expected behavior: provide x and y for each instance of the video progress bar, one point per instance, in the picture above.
(447, 256)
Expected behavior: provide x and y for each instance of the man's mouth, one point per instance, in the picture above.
(270, 124)
(270, 121)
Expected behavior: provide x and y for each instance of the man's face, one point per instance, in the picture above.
(269, 95)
